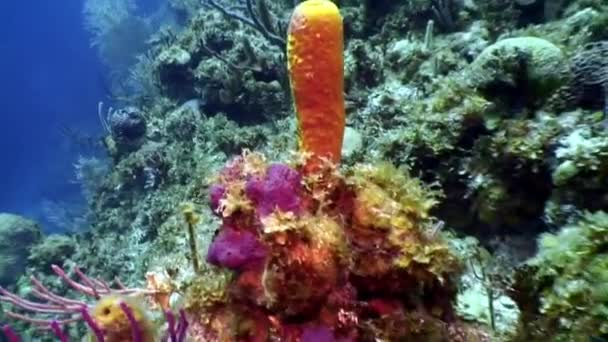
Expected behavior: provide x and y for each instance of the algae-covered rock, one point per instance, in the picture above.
(525, 68)
(54, 249)
(181, 123)
(17, 235)
(174, 71)
(568, 280)
(480, 297)
(581, 151)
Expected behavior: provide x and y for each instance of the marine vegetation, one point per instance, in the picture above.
(561, 291)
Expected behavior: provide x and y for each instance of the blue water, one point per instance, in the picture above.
(50, 76)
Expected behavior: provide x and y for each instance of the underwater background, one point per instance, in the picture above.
(50, 78)
(257, 170)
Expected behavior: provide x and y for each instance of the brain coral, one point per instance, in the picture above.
(588, 84)
(528, 64)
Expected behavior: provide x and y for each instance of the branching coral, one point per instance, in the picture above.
(117, 32)
(102, 16)
(445, 11)
(254, 13)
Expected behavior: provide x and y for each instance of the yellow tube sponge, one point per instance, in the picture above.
(114, 322)
(315, 61)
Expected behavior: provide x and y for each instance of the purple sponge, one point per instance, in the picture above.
(317, 334)
(277, 190)
(235, 249)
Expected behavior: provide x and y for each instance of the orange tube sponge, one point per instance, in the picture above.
(315, 60)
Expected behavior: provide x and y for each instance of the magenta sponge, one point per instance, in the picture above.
(317, 334)
(236, 249)
(278, 189)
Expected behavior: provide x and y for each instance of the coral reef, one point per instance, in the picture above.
(216, 60)
(53, 249)
(17, 236)
(456, 121)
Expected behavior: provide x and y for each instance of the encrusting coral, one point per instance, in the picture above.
(342, 255)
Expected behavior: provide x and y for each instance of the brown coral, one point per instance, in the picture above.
(588, 85)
